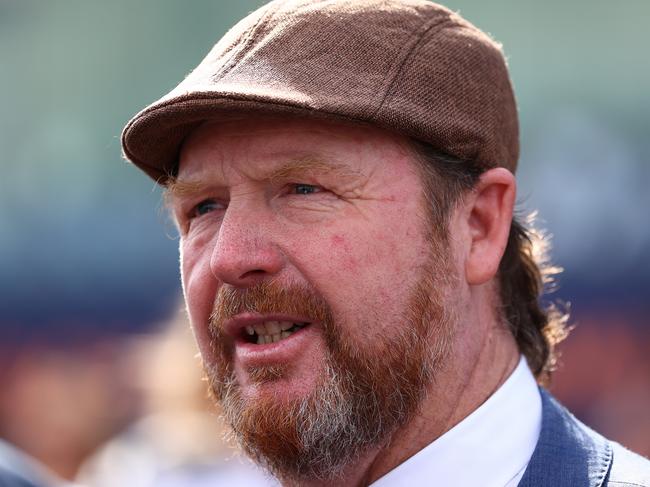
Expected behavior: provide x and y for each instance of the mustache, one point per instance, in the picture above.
(266, 298)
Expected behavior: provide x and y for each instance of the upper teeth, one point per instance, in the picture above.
(271, 331)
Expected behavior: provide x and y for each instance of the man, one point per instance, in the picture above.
(341, 173)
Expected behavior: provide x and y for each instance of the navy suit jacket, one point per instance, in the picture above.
(569, 454)
(10, 479)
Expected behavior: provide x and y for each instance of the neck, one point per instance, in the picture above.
(469, 376)
(449, 402)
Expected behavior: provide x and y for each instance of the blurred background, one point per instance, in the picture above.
(89, 288)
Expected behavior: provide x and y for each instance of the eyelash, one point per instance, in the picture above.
(313, 187)
(196, 210)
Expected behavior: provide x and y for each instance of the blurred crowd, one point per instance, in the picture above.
(115, 410)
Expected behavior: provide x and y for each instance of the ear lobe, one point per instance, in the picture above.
(489, 218)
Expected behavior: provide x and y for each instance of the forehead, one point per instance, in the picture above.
(255, 147)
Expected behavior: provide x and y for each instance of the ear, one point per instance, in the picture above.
(488, 215)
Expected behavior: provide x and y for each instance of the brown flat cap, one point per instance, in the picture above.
(409, 66)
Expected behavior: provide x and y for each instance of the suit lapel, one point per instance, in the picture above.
(568, 453)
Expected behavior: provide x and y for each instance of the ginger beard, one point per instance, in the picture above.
(366, 391)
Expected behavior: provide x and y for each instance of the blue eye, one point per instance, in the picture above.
(306, 189)
(206, 206)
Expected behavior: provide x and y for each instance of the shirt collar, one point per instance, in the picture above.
(491, 447)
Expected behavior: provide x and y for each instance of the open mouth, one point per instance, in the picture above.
(271, 331)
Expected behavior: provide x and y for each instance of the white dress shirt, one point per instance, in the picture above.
(491, 447)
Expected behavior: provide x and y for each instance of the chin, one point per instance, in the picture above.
(276, 382)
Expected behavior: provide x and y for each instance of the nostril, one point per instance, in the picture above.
(253, 273)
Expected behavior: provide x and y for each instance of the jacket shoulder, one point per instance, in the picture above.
(570, 454)
(10, 479)
(628, 469)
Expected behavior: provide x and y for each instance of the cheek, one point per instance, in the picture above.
(342, 250)
(365, 274)
(199, 290)
(361, 250)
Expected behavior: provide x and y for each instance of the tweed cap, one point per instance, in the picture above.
(409, 66)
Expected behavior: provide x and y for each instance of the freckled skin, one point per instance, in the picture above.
(337, 240)
(340, 247)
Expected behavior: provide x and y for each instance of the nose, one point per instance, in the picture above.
(245, 253)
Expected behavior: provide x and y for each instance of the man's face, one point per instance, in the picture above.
(313, 286)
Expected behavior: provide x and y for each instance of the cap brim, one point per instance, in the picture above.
(152, 140)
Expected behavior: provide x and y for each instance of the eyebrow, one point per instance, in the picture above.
(178, 187)
(303, 166)
(293, 168)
